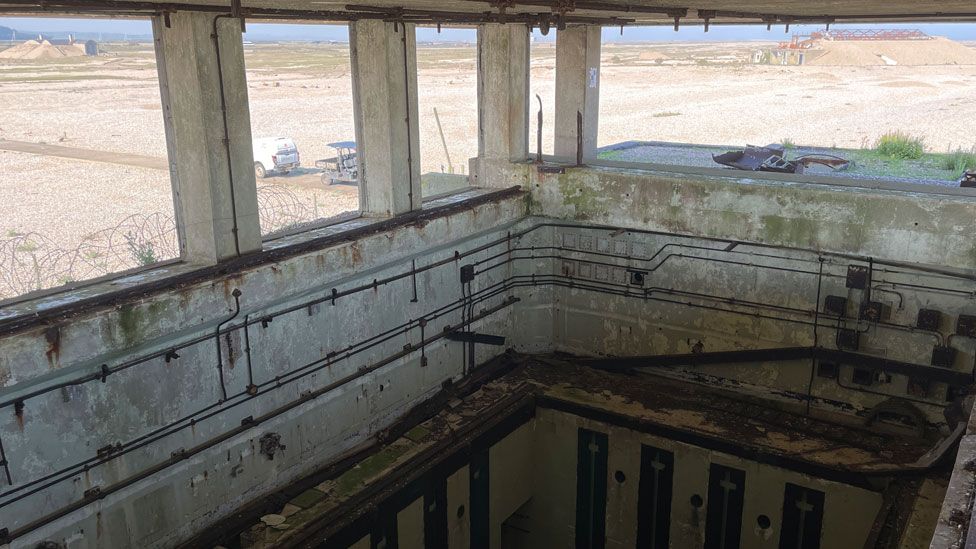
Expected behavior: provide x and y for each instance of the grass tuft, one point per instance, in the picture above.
(788, 143)
(959, 160)
(900, 145)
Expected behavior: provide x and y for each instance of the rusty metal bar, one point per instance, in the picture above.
(579, 138)
(143, 8)
(5, 463)
(779, 354)
(555, 6)
(538, 133)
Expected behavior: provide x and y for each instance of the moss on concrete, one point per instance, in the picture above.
(371, 467)
(789, 231)
(587, 199)
(308, 498)
(134, 318)
(417, 434)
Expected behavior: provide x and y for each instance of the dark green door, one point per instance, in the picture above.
(480, 500)
(591, 490)
(654, 498)
(723, 521)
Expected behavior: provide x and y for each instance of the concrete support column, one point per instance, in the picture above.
(208, 132)
(577, 89)
(503, 91)
(384, 82)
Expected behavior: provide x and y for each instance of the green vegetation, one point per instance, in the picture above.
(666, 114)
(611, 155)
(142, 252)
(29, 246)
(788, 143)
(900, 145)
(959, 160)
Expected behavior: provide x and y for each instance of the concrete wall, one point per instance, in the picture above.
(177, 405)
(68, 426)
(762, 305)
(696, 295)
(84, 423)
(910, 223)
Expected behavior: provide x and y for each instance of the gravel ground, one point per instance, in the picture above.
(68, 200)
(120, 111)
(316, 109)
(814, 106)
(678, 93)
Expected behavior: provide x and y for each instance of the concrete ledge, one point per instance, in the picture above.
(58, 304)
(892, 224)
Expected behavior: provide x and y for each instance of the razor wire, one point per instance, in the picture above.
(32, 261)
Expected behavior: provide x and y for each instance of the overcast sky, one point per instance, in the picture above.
(259, 32)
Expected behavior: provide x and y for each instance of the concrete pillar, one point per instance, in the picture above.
(503, 91)
(577, 89)
(214, 185)
(384, 82)
(503, 104)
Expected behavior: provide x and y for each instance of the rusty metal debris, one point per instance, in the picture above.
(968, 179)
(772, 158)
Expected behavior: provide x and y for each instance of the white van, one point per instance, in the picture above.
(274, 154)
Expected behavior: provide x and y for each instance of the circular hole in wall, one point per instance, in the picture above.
(620, 476)
(697, 501)
(763, 522)
(460, 511)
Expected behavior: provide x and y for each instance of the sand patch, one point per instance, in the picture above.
(906, 84)
(651, 56)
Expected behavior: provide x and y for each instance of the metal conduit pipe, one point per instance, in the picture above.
(223, 113)
(508, 284)
(536, 281)
(938, 335)
(241, 397)
(413, 271)
(247, 425)
(707, 17)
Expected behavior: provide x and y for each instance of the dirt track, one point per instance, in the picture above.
(302, 178)
(125, 159)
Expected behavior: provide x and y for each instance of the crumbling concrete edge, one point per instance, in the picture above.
(953, 529)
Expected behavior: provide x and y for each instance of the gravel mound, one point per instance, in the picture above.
(937, 51)
(32, 49)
